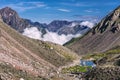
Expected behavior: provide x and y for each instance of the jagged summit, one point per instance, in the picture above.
(57, 24)
(10, 17)
(104, 36)
(110, 22)
(7, 12)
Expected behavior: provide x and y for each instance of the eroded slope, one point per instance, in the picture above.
(32, 56)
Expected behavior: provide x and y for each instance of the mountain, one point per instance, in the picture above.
(68, 27)
(65, 30)
(12, 18)
(104, 36)
(75, 27)
(56, 25)
(26, 58)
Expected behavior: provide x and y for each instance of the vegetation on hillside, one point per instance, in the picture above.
(75, 39)
(110, 57)
(76, 69)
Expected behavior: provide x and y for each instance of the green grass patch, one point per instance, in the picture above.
(75, 39)
(76, 69)
(106, 54)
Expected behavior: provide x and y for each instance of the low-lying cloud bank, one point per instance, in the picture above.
(33, 32)
(87, 23)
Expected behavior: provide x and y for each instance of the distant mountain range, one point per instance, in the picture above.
(67, 27)
(59, 27)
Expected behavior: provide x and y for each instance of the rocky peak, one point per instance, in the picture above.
(111, 22)
(116, 14)
(10, 17)
(57, 24)
(59, 21)
(7, 12)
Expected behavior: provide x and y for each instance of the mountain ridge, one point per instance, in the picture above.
(12, 18)
(104, 36)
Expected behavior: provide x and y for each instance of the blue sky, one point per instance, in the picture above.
(48, 10)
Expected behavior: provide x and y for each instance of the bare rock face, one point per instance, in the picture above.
(57, 24)
(11, 18)
(104, 36)
(110, 22)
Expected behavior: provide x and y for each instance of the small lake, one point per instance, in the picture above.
(87, 63)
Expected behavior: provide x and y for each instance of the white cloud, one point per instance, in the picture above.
(88, 11)
(22, 6)
(59, 39)
(90, 18)
(54, 37)
(87, 23)
(78, 4)
(33, 32)
(64, 10)
(92, 10)
(35, 4)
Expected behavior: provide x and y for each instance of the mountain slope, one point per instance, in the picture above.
(104, 36)
(32, 56)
